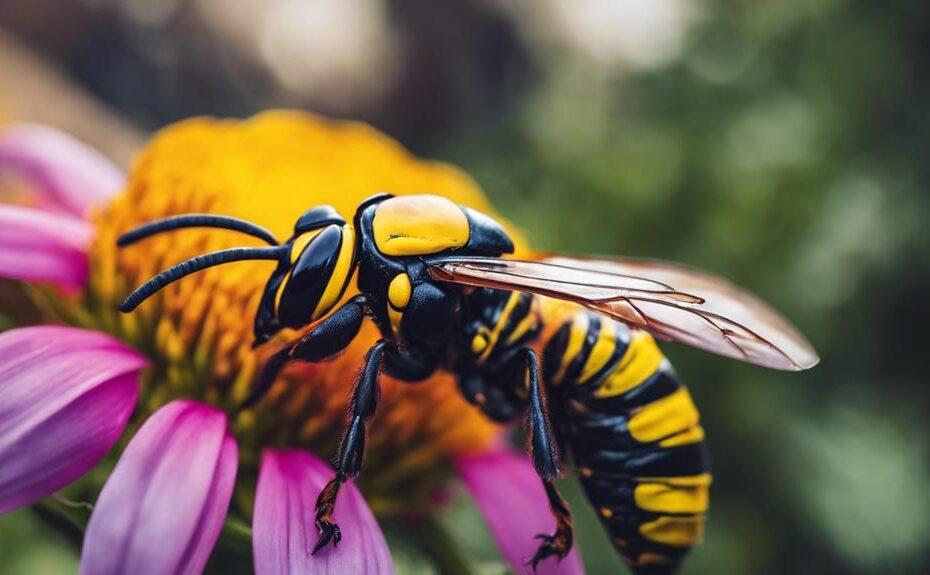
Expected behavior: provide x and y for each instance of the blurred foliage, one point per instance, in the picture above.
(28, 546)
(785, 148)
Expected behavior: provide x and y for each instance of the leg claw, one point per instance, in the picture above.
(551, 545)
(329, 531)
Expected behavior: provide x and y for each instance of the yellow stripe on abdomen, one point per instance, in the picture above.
(665, 417)
(526, 324)
(675, 531)
(641, 360)
(576, 336)
(664, 496)
(692, 435)
(601, 353)
(495, 333)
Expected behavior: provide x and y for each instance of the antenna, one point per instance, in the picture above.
(195, 221)
(196, 264)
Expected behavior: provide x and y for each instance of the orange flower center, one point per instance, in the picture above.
(269, 170)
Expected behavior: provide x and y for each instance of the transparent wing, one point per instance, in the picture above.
(672, 302)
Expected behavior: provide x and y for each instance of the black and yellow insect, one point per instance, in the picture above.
(433, 277)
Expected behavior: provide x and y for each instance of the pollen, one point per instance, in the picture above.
(198, 331)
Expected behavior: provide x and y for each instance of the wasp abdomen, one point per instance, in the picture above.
(635, 437)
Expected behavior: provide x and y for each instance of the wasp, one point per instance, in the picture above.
(437, 281)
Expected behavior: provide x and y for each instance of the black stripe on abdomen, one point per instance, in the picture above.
(638, 445)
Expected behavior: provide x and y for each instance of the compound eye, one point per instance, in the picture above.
(303, 293)
(318, 217)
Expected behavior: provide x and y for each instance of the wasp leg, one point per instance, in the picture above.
(560, 542)
(546, 460)
(352, 449)
(542, 440)
(326, 340)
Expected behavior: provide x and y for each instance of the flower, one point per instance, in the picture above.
(163, 507)
(46, 239)
(69, 177)
(66, 397)
(185, 460)
(513, 515)
(288, 485)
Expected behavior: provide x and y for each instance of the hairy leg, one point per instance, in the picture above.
(362, 407)
(546, 460)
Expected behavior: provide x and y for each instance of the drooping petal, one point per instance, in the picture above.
(68, 175)
(163, 507)
(513, 501)
(65, 397)
(283, 529)
(42, 246)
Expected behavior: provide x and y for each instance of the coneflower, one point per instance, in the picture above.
(149, 399)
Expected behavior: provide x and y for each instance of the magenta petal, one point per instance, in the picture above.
(69, 175)
(42, 246)
(512, 499)
(283, 530)
(65, 397)
(163, 507)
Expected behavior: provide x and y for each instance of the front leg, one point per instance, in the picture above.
(365, 397)
(333, 335)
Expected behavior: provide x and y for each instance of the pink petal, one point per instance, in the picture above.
(69, 175)
(65, 397)
(283, 530)
(513, 501)
(43, 247)
(163, 507)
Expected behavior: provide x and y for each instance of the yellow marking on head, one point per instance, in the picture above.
(641, 360)
(576, 337)
(606, 512)
(675, 531)
(395, 316)
(602, 351)
(341, 273)
(665, 417)
(499, 325)
(419, 225)
(666, 498)
(693, 435)
(399, 291)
